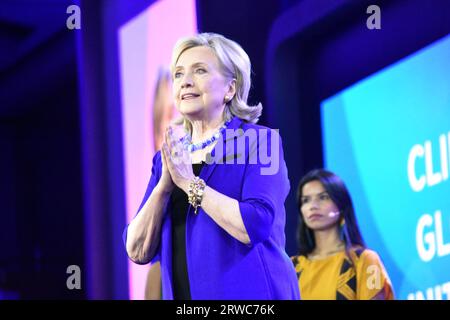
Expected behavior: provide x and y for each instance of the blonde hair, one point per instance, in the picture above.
(163, 107)
(235, 64)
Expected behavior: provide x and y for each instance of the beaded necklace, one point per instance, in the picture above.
(191, 147)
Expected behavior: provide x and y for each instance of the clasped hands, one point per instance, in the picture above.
(177, 164)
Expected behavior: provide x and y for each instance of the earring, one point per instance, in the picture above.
(344, 232)
(227, 98)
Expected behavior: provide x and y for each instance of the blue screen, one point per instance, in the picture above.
(388, 138)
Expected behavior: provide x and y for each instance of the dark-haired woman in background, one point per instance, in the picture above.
(333, 262)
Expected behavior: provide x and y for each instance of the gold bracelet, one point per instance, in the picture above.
(195, 193)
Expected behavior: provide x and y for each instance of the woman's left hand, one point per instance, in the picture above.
(178, 161)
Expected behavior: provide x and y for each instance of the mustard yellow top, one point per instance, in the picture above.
(336, 278)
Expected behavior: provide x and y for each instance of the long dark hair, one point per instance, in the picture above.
(338, 192)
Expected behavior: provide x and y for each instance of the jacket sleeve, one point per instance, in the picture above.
(154, 179)
(265, 186)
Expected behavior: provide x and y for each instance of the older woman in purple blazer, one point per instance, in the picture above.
(213, 212)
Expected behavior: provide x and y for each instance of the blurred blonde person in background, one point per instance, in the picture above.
(164, 110)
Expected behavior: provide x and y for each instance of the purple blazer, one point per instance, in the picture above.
(219, 266)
